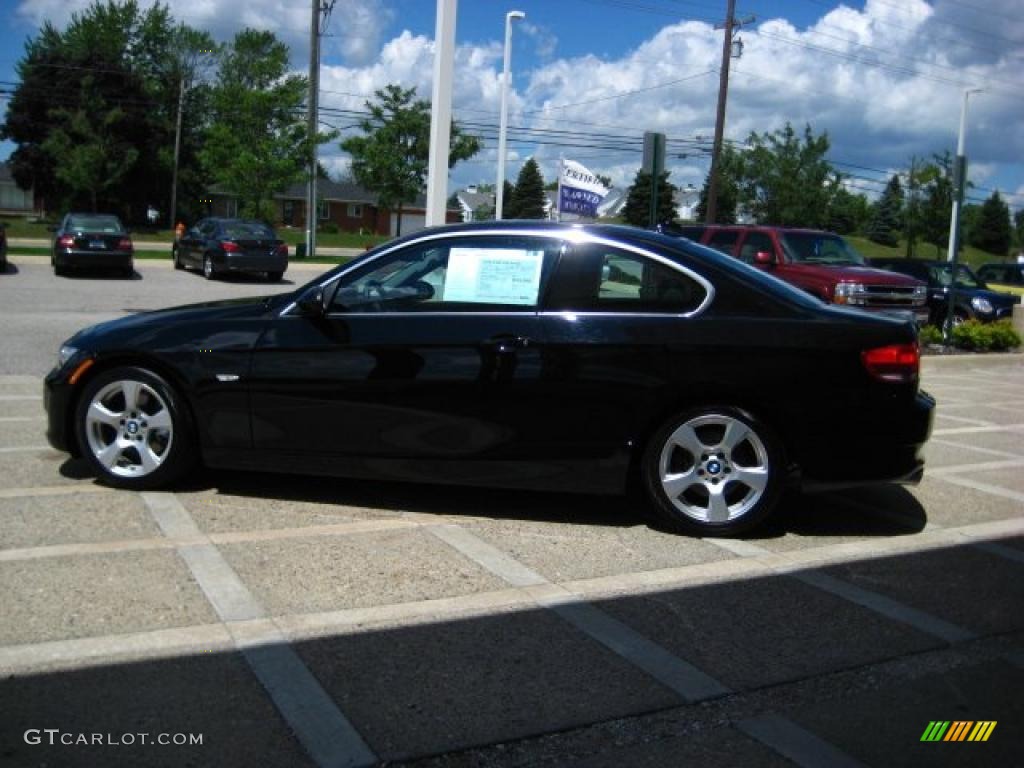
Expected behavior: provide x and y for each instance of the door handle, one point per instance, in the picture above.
(506, 344)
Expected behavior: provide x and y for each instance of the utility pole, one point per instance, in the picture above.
(177, 153)
(313, 118)
(441, 113)
(730, 25)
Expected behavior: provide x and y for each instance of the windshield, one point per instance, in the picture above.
(819, 248)
(964, 277)
(107, 224)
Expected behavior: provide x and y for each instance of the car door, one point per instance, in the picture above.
(430, 352)
(613, 317)
(189, 244)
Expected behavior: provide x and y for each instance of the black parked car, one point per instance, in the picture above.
(92, 241)
(1000, 276)
(973, 299)
(512, 354)
(219, 246)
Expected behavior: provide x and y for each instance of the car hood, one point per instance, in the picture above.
(849, 273)
(208, 312)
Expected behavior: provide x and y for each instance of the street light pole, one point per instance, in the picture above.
(499, 190)
(313, 120)
(960, 184)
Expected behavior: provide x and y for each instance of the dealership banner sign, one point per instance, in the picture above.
(579, 190)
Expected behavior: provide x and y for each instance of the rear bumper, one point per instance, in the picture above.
(94, 259)
(245, 263)
(884, 448)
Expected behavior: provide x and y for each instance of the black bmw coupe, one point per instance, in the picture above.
(511, 354)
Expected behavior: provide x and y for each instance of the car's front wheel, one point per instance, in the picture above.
(713, 472)
(134, 429)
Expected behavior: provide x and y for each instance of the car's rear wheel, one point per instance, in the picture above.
(274, 277)
(208, 270)
(134, 429)
(177, 259)
(713, 472)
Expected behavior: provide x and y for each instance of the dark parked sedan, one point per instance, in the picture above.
(221, 246)
(1008, 277)
(92, 241)
(973, 299)
(571, 358)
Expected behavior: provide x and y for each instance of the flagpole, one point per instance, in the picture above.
(558, 199)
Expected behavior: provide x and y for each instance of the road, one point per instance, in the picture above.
(297, 621)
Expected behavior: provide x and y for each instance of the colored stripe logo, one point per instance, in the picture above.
(958, 730)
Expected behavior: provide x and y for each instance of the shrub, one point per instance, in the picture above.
(930, 334)
(981, 337)
(329, 227)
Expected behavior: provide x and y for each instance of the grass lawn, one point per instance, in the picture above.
(969, 255)
(20, 227)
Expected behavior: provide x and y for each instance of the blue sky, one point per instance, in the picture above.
(883, 77)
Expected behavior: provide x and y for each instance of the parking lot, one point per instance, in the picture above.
(298, 621)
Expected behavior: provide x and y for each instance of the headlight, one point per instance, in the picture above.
(851, 293)
(984, 306)
(920, 294)
(65, 354)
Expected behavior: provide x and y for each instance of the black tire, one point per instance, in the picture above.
(274, 277)
(722, 482)
(177, 260)
(108, 437)
(209, 270)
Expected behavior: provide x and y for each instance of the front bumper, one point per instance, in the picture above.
(57, 403)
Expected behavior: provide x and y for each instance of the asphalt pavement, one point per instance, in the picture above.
(244, 620)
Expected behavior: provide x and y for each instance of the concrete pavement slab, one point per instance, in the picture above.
(1011, 442)
(45, 467)
(429, 688)
(884, 727)
(984, 413)
(17, 434)
(949, 505)
(21, 385)
(45, 520)
(333, 572)
(23, 408)
(210, 695)
(1012, 478)
(938, 454)
(566, 551)
(962, 585)
(764, 631)
(216, 513)
(67, 597)
(719, 748)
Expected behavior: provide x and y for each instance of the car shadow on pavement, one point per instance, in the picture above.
(9, 269)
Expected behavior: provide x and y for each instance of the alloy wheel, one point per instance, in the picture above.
(129, 428)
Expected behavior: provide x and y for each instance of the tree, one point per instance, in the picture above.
(938, 201)
(529, 194)
(258, 143)
(637, 210)
(729, 170)
(885, 220)
(785, 180)
(391, 157)
(993, 227)
(106, 84)
(847, 213)
(509, 205)
(1018, 226)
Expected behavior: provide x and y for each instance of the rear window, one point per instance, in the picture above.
(247, 230)
(105, 224)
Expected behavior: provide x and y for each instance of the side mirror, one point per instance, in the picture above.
(424, 290)
(764, 259)
(312, 302)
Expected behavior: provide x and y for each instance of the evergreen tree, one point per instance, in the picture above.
(637, 210)
(509, 207)
(885, 222)
(1018, 227)
(529, 198)
(729, 170)
(938, 202)
(847, 213)
(993, 228)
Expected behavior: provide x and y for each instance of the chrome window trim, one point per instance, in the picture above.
(572, 233)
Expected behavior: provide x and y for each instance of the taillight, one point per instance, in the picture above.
(66, 241)
(124, 244)
(896, 362)
(282, 250)
(229, 247)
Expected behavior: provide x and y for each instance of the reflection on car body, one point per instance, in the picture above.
(512, 354)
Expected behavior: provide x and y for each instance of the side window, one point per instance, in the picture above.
(724, 241)
(475, 274)
(600, 278)
(755, 243)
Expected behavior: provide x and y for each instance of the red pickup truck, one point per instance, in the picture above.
(821, 263)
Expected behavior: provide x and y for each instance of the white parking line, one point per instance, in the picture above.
(25, 449)
(989, 488)
(7, 398)
(980, 466)
(978, 430)
(324, 731)
(674, 673)
(795, 743)
(978, 449)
